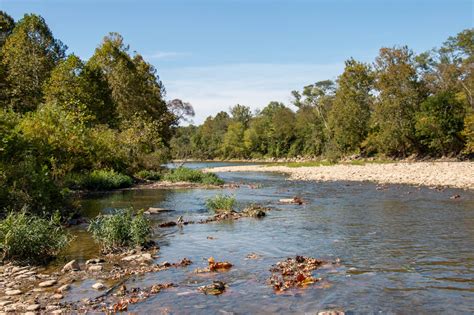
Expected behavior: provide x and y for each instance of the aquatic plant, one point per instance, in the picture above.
(121, 229)
(29, 239)
(221, 203)
(100, 180)
(184, 174)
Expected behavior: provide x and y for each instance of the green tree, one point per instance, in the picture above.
(242, 114)
(233, 143)
(72, 82)
(440, 122)
(29, 55)
(399, 96)
(350, 113)
(6, 27)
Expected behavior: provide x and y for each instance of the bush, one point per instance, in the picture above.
(99, 180)
(221, 203)
(149, 175)
(31, 239)
(184, 174)
(120, 230)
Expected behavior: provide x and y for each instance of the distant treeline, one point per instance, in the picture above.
(62, 117)
(400, 105)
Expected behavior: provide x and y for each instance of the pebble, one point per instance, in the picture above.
(73, 265)
(98, 286)
(57, 296)
(33, 307)
(5, 303)
(95, 261)
(95, 268)
(47, 283)
(12, 292)
(64, 288)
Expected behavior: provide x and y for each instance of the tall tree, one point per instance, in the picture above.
(29, 55)
(72, 83)
(349, 116)
(241, 114)
(399, 96)
(6, 27)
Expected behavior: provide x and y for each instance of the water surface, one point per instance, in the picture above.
(403, 249)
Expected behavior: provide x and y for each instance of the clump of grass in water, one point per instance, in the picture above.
(149, 175)
(99, 180)
(184, 174)
(29, 239)
(120, 230)
(221, 203)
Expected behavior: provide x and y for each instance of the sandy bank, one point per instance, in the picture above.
(451, 174)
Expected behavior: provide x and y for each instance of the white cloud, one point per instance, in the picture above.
(166, 55)
(214, 88)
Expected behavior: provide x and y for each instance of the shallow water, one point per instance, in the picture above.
(403, 249)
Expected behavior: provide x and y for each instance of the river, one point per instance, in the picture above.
(403, 249)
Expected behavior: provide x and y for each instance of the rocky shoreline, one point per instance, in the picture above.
(434, 174)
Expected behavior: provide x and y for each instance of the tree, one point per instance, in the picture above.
(6, 27)
(211, 135)
(440, 122)
(72, 82)
(29, 55)
(233, 143)
(242, 114)
(399, 96)
(350, 113)
(182, 111)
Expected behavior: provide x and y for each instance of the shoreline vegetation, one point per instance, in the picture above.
(433, 174)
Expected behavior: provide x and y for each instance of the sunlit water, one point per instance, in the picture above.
(403, 249)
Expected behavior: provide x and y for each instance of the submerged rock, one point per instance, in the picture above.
(215, 288)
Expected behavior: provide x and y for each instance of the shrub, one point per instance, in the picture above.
(99, 180)
(31, 239)
(120, 230)
(183, 174)
(149, 175)
(221, 203)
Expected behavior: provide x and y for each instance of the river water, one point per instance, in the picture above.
(403, 249)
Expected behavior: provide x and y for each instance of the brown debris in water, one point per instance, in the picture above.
(215, 288)
(215, 266)
(136, 295)
(294, 272)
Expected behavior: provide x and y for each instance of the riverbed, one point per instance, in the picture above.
(402, 249)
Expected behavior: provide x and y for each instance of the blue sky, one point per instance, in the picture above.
(217, 53)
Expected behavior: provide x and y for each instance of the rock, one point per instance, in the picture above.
(95, 268)
(33, 307)
(12, 292)
(52, 307)
(47, 283)
(139, 257)
(5, 303)
(57, 312)
(57, 296)
(216, 288)
(294, 201)
(153, 210)
(63, 288)
(73, 265)
(29, 313)
(98, 286)
(95, 261)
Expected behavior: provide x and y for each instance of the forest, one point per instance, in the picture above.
(67, 122)
(403, 104)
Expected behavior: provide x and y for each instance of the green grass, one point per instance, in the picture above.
(149, 175)
(221, 203)
(28, 239)
(120, 230)
(183, 174)
(99, 180)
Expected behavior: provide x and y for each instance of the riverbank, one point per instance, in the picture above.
(446, 174)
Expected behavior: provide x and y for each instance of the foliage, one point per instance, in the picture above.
(183, 174)
(100, 180)
(29, 55)
(221, 203)
(26, 238)
(149, 174)
(440, 122)
(120, 230)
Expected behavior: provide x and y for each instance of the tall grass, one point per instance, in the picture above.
(120, 230)
(184, 174)
(221, 203)
(99, 180)
(28, 239)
